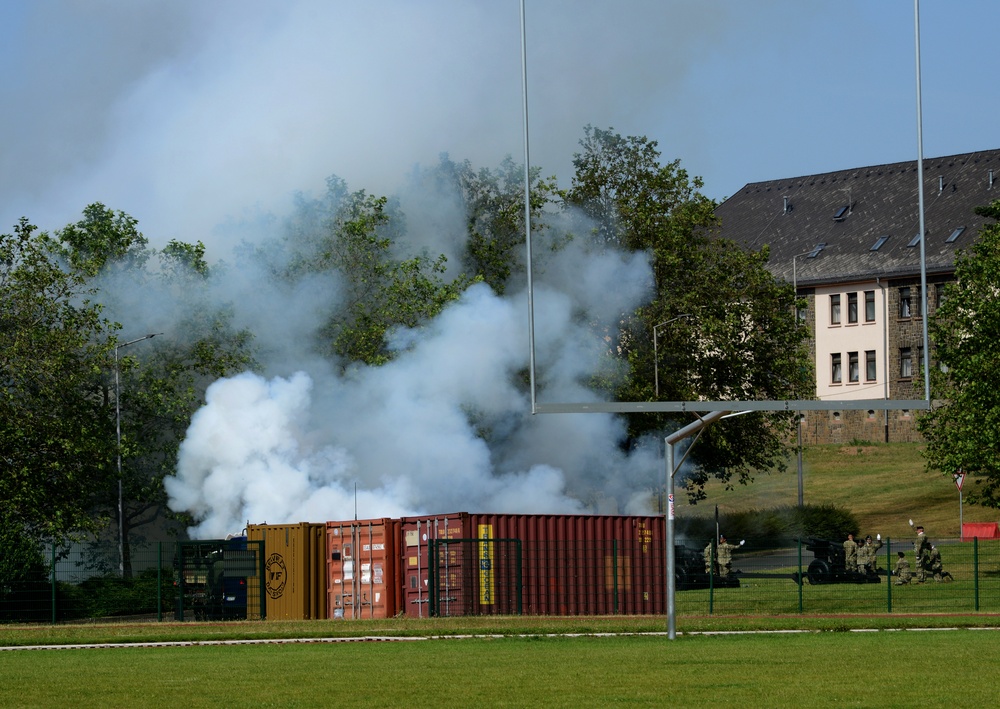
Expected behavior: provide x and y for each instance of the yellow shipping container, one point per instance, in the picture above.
(295, 573)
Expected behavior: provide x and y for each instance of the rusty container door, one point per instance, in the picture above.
(361, 566)
(416, 535)
(585, 564)
(294, 569)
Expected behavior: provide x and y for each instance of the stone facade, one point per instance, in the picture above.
(873, 426)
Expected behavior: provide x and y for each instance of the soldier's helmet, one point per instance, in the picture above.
(868, 538)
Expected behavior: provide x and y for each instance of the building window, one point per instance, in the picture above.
(835, 309)
(869, 306)
(852, 308)
(835, 368)
(801, 314)
(853, 373)
(939, 295)
(871, 371)
(905, 362)
(905, 304)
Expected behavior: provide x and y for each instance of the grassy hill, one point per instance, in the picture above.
(884, 485)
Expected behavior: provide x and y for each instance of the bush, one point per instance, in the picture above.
(771, 528)
(109, 596)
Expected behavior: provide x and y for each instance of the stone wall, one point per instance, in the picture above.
(842, 427)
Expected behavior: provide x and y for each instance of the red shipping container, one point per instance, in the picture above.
(469, 564)
(362, 564)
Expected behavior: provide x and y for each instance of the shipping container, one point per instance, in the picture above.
(295, 569)
(462, 564)
(417, 535)
(361, 564)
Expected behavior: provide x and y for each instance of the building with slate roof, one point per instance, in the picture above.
(849, 241)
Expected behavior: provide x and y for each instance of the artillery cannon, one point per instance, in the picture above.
(830, 566)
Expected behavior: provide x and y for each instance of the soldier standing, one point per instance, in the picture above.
(850, 554)
(921, 550)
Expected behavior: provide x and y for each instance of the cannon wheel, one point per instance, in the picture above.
(818, 572)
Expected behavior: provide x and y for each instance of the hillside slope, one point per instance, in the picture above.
(884, 485)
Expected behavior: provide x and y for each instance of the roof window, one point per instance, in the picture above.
(954, 235)
(815, 252)
(915, 240)
(841, 213)
(879, 242)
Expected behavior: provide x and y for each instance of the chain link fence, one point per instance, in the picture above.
(221, 579)
(814, 576)
(176, 580)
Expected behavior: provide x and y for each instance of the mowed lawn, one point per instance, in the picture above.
(883, 668)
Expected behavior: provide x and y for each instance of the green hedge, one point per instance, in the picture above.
(772, 528)
(110, 596)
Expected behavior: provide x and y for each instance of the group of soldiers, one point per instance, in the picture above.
(928, 562)
(862, 558)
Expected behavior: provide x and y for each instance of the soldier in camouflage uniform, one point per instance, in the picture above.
(921, 550)
(850, 554)
(868, 555)
(724, 557)
(902, 572)
(935, 567)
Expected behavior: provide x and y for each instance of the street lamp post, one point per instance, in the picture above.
(656, 357)
(118, 435)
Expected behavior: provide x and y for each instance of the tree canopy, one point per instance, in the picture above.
(719, 325)
(54, 432)
(963, 425)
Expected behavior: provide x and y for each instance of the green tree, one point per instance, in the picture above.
(349, 237)
(159, 384)
(492, 201)
(54, 433)
(962, 427)
(719, 326)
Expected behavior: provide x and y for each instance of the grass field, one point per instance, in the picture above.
(929, 668)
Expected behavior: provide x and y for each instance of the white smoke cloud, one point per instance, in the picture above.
(443, 427)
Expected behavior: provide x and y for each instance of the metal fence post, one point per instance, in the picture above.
(520, 587)
(53, 582)
(711, 578)
(975, 568)
(432, 567)
(801, 579)
(888, 575)
(614, 563)
(159, 582)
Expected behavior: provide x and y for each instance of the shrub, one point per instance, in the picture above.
(770, 528)
(109, 596)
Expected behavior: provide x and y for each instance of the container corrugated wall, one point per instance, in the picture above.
(532, 564)
(295, 570)
(584, 564)
(362, 567)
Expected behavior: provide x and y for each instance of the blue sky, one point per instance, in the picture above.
(190, 114)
